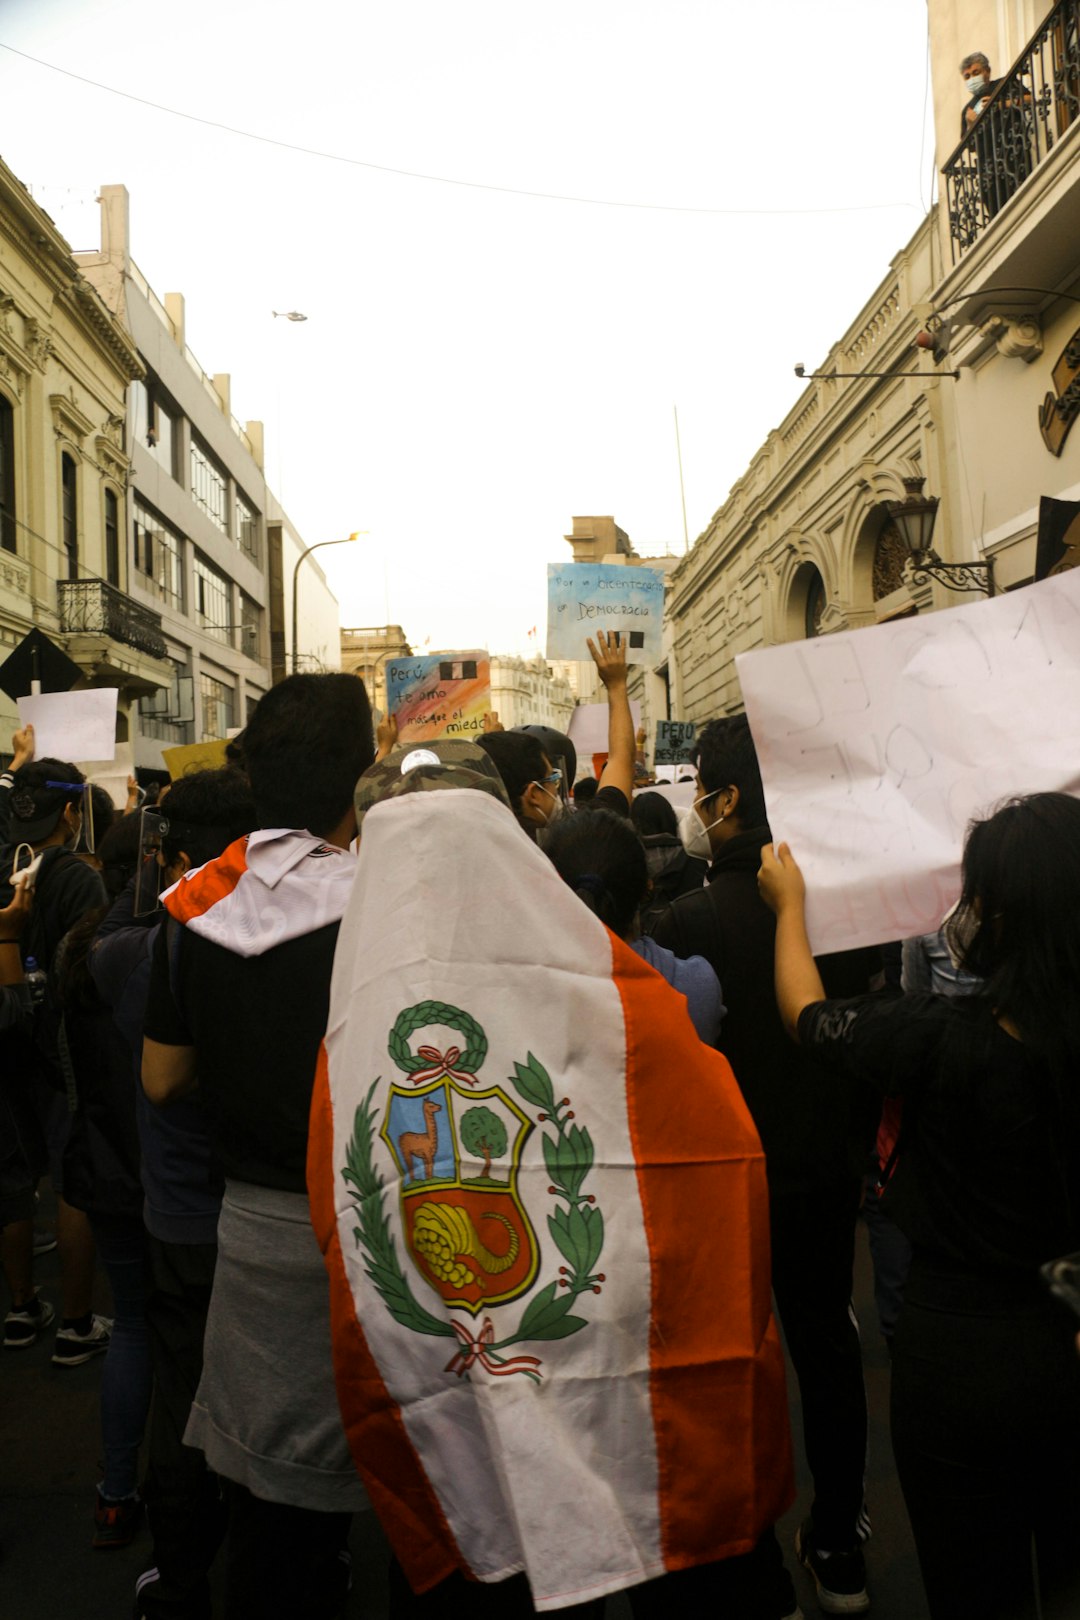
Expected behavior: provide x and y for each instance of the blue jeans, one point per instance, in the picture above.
(890, 1255)
(126, 1379)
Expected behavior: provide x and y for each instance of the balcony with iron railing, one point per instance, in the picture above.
(93, 607)
(1033, 107)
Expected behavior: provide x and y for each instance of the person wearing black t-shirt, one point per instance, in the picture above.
(985, 1386)
(810, 1134)
(239, 994)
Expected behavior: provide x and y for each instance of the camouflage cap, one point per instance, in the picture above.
(442, 763)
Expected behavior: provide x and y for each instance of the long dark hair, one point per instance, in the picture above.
(1019, 918)
(602, 859)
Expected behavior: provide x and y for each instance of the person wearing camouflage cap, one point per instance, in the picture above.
(443, 763)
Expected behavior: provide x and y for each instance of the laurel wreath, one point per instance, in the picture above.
(372, 1232)
(436, 1012)
(577, 1230)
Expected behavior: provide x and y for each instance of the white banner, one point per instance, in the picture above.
(878, 746)
(72, 725)
(588, 728)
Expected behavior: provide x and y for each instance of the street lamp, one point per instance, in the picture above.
(295, 585)
(914, 519)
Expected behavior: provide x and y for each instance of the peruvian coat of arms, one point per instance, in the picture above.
(456, 1145)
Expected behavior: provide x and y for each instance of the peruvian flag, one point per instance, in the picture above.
(543, 1208)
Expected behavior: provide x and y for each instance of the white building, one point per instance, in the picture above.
(209, 548)
(66, 365)
(528, 693)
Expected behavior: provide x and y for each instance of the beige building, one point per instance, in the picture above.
(65, 367)
(1007, 293)
(364, 652)
(209, 551)
(805, 543)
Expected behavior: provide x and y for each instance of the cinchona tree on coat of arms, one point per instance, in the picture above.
(457, 1151)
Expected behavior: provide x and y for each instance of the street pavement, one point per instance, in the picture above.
(50, 1445)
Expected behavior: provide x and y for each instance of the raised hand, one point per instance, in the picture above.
(609, 656)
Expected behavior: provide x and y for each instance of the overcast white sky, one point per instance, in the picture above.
(478, 367)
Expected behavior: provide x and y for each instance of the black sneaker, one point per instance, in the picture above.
(840, 1577)
(22, 1326)
(72, 1348)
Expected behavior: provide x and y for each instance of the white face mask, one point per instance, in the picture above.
(693, 833)
(556, 804)
(976, 86)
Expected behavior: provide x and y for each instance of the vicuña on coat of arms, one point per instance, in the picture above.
(456, 1147)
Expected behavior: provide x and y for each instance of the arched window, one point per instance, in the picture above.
(112, 538)
(815, 603)
(69, 513)
(7, 476)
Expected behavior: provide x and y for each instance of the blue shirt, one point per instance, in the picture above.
(694, 979)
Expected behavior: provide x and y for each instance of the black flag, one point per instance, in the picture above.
(1058, 545)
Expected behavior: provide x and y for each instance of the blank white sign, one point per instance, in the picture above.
(878, 746)
(72, 725)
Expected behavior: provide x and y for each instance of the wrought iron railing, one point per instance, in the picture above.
(91, 606)
(1031, 109)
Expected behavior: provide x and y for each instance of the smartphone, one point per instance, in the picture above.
(1062, 1277)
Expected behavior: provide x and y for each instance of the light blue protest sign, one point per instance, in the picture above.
(586, 597)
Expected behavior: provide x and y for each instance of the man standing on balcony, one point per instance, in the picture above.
(1001, 143)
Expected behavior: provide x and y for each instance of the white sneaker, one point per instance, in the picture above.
(72, 1349)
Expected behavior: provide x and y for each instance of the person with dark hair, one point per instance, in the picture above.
(1002, 133)
(101, 1178)
(985, 1391)
(602, 859)
(239, 992)
(530, 779)
(672, 871)
(41, 806)
(512, 1450)
(179, 1207)
(807, 1127)
(558, 748)
(118, 854)
(535, 784)
(585, 792)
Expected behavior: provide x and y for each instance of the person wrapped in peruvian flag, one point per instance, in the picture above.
(543, 1208)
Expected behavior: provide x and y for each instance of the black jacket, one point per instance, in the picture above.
(813, 1126)
(672, 872)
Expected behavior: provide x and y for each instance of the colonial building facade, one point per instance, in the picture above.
(804, 543)
(209, 551)
(982, 411)
(65, 367)
(1006, 299)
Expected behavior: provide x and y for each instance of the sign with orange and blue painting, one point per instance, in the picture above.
(439, 695)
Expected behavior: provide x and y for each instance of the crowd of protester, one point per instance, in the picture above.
(164, 992)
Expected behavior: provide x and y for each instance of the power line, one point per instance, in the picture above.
(445, 179)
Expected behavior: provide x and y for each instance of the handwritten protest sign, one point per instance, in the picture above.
(588, 728)
(191, 757)
(72, 725)
(586, 597)
(439, 695)
(674, 742)
(878, 746)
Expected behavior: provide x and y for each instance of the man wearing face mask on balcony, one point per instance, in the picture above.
(1001, 144)
(812, 1152)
